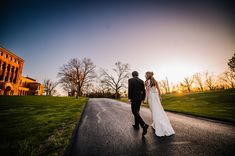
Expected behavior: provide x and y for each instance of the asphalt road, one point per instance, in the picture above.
(106, 130)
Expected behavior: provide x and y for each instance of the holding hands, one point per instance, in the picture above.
(145, 101)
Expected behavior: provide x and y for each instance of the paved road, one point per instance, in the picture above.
(106, 129)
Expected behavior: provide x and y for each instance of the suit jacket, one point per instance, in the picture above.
(136, 90)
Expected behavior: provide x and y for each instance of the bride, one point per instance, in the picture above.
(161, 123)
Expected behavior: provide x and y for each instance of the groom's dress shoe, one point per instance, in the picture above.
(145, 128)
(136, 127)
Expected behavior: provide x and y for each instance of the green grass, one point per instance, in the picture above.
(37, 125)
(219, 105)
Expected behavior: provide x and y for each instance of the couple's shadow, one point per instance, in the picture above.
(151, 144)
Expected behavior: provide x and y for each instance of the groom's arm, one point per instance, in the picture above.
(144, 91)
(129, 90)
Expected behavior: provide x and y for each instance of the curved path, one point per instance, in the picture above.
(105, 129)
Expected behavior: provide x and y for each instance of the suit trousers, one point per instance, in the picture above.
(135, 107)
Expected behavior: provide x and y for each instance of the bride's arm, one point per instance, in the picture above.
(147, 91)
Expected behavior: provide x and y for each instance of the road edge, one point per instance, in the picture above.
(211, 119)
(71, 146)
(203, 118)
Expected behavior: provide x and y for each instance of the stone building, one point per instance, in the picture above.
(11, 80)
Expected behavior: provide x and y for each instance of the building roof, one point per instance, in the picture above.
(30, 78)
(11, 53)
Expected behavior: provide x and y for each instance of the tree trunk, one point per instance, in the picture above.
(116, 94)
(78, 90)
(201, 88)
(189, 90)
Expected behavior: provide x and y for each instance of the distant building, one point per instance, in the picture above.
(11, 80)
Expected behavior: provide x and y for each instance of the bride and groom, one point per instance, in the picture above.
(139, 91)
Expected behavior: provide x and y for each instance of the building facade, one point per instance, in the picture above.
(11, 80)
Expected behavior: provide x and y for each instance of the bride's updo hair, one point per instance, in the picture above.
(149, 76)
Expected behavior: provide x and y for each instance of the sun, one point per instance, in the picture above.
(176, 72)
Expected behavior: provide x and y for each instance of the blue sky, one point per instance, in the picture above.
(172, 39)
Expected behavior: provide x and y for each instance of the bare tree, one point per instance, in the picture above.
(77, 74)
(175, 88)
(210, 81)
(168, 86)
(119, 81)
(231, 63)
(198, 79)
(103, 87)
(183, 88)
(49, 87)
(68, 86)
(229, 78)
(164, 85)
(161, 88)
(187, 82)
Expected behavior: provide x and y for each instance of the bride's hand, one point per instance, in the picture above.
(145, 101)
(160, 98)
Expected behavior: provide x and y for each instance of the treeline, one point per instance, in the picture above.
(81, 78)
(202, 81)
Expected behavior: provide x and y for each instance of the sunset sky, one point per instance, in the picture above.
(171, 39)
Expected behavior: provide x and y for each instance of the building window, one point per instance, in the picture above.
(6, 56)
(1, 53)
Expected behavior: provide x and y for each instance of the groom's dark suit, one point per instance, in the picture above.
(136, 93)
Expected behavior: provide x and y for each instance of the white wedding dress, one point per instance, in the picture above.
(161, 123)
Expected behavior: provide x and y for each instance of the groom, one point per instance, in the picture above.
(136, 94)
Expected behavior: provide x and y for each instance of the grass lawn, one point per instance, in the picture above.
(218, 104)
(37, 125)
